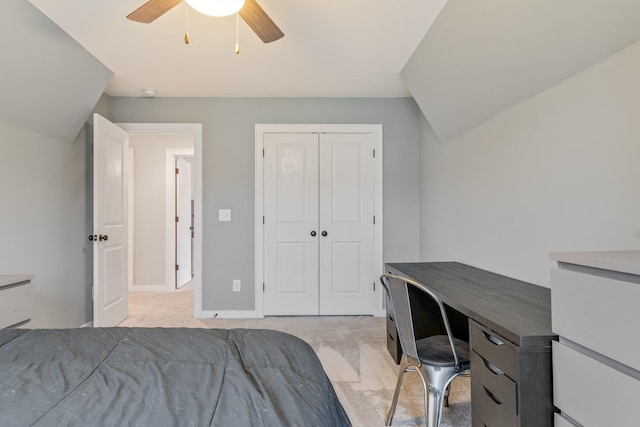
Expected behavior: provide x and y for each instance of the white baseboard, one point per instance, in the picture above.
(150, 288)
(227, 314)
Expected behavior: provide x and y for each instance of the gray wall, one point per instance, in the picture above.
(49, 85)
(43, 223)
(228, 173)
(559, 172)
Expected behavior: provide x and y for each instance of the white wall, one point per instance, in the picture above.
(559, 172)
(152, 191)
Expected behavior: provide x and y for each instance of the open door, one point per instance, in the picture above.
(183, 222)
(110, 266)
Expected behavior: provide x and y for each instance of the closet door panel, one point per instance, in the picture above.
(346, 216)
(291, 215)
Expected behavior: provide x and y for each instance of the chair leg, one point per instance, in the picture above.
(439, 381)
(396, 393)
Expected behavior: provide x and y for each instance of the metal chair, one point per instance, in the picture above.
(437, 359)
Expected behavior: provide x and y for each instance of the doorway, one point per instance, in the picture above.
(162, 133)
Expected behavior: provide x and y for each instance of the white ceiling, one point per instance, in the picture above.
(331, 48)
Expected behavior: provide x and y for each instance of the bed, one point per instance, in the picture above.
(162, 377)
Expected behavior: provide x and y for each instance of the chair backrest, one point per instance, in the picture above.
(397, 288)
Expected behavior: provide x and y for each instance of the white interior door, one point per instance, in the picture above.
(110, 302)
(291, 224)
(183, 223)
(346, 224)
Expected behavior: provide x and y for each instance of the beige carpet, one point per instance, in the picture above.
(352, 350)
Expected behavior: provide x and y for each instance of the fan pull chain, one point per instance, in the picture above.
(187, 39)
(237, 37)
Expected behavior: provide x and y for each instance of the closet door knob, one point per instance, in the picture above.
(103, 237)
(313, 234)
(324, 234)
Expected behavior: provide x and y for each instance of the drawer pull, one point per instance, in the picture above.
(492, 396)
(391, 337)
(493, 368)
(492, 339)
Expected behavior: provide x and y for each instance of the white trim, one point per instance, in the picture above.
(260, 130)
(87, 325)
(152, 288)
(131, 213)
(194, 129)
(229, 314)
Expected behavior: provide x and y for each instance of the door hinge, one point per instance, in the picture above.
(177, 171)
(177, 219)
(374, 153)
(262, 219)
(374, 286)
(177, 267)
(374, 220)
(263, 152)
(263, 287)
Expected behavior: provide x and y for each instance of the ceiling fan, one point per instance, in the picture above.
(251, 13)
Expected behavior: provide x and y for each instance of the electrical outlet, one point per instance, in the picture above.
(236, 285)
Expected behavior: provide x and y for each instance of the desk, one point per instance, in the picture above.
(508, 323)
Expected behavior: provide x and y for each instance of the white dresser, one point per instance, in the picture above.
(16, 299)
(595, 310)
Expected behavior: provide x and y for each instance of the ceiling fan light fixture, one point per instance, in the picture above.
(216, 7)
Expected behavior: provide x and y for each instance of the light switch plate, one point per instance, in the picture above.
(236, 285)
(224, 214)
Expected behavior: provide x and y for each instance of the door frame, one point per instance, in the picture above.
(195, 130)
(260, 130)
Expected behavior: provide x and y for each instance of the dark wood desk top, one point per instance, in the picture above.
(517, 310)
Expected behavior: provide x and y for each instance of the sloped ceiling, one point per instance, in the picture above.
(482, 57)
(49, 83)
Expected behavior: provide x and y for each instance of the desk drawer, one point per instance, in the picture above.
(495, 349)
(393, 344)
(489, 410)
(494, 380)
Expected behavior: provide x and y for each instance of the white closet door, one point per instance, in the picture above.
(346, 217)
(290, 217)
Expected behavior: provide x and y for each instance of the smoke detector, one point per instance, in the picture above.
(149, 93)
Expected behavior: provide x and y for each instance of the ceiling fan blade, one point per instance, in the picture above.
(259, 22)
(152, 10)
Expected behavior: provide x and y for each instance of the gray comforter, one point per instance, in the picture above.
(162, 377)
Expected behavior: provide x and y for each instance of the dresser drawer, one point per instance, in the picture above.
(560, 421)
(492, 347)
(16, 303)
(591, 392)
(494, 380)
(489, 410)
(597, 312)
